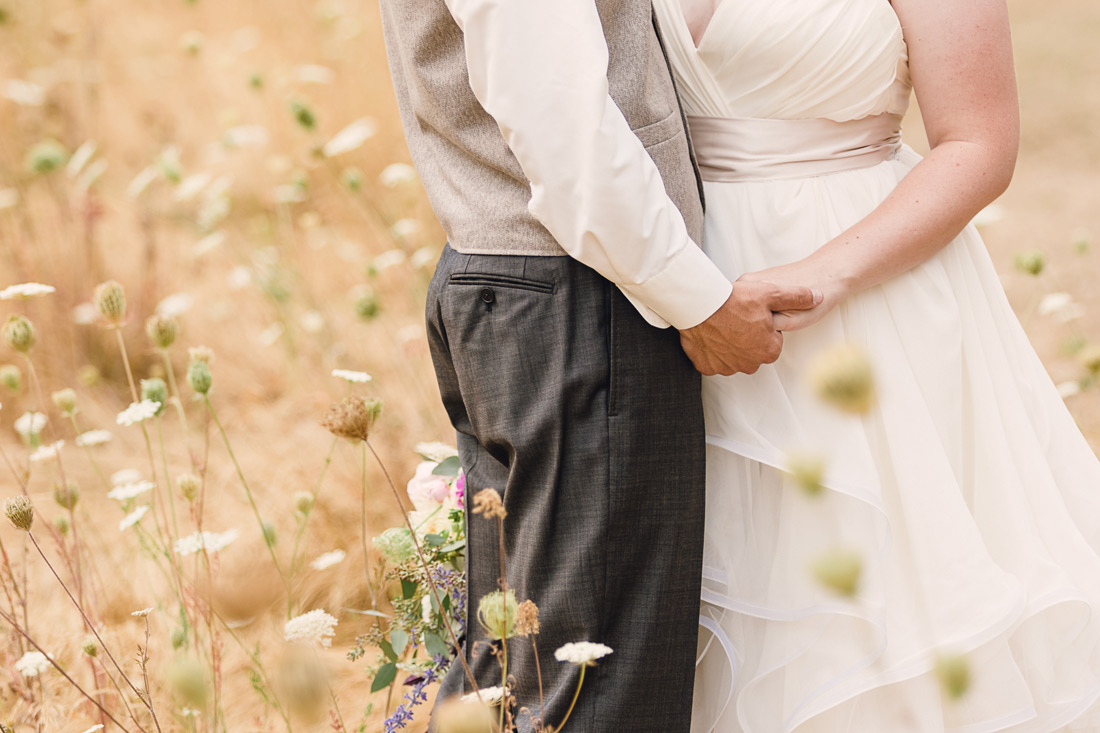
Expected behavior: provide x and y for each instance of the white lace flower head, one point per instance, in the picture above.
(582, 653)
(315, 627)
(489, 695)
(138, 412)
(32, 664)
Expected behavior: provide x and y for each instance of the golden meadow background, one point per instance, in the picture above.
(203, 184)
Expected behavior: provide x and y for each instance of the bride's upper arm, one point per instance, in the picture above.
(960, 57)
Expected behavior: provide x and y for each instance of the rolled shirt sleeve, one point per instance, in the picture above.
(539, 67)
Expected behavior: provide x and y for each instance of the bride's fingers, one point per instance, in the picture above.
(793, 320)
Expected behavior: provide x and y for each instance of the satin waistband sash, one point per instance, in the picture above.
(730, 149)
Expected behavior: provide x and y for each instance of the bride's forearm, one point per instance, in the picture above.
(927, 210)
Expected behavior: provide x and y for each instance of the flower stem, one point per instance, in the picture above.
(573, 704)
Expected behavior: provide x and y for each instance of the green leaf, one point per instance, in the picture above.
(408, 589)
(386, 675)
(453, 547)
(435, 540)
(387, 649)
(449, 467)
(399, 639)
(435, 644)
(372, 612)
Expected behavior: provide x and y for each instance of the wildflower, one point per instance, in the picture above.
(954, 675)
(353, 418)
(314, 74)
(155, 390)
(187, 678)
(19, 334)
(1090, 358)
(32, 664)
(9, 197)
(840, 571)
(350, 376)
(303, 115)
(126, 492)
(90, 646)
(201, 353)
(143, 612)
(209, 541)
(303, 502)
(66, 495)
(89, 375)
(423, 257)
(488, 503)
(47, 452)
(1032, 263)
(582, 653)
(26, 93)
(989, 215)
(397, 174)
(488, 695)
(527, 619)
(1069, 389)
(20, 512)
(428, 491)
(62, 524)
(351, 137)
(125, 476)
(65, 400)
(138, 412)
(133, 518)
(11, 377)
(179, 637)
(404, 228)
(497, 613)
(30, 424)
(367, 306)
(328, 559)
(110, 301)
(23, 291)
(388, 259)
(189, 485)
(459, 715)
(199, 376)
(352, 178)
(396, 543)
(93, 437)
(46, 156)
(842, 377)
(191, 42)
(435, 451)
(161, 330)
(808, 471)
(315, 627)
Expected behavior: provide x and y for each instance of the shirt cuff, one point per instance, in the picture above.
(688, 291)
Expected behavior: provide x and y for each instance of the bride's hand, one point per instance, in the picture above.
(807, 274)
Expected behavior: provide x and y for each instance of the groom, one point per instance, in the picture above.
(550, 140)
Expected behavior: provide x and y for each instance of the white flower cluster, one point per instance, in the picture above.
(25, 290)
(328, 559)
(350, 376)
(30, 423)
(47, 452)
(489, 695)
(133, 518)
(132, 490)
(93, 437)
(32, 664)
(209, 541)
(315, 627)
(582, 653)
(138, 412)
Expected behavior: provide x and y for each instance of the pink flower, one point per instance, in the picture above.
(427, 491)
(458, 488)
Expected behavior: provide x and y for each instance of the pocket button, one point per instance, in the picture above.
(487, 295)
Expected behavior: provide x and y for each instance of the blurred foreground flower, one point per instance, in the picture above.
(209, 541)
(397, 174)
(463, 715)
(808, 471)
(46, 452)
(315, 627)
(1090, 358)
(1033, 263)
(46, 156)
(488, 503)
(840, 571)
(133, 518)
(93, 437)
(954, 674)
(138, 412)
(328, 559)
(350, 376)
(24, 291)
(132, 490)
(32, 664)
(351, 137)
(842, 377)
(29, 425)
(11, 377)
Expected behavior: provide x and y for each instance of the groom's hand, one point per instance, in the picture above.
(741, 335)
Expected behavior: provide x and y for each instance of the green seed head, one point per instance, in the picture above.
(199, 376)
(110, 301)
(66, 495)
(162, 330)
(20, 512)
(11, 377)
(497, 612)
(19, 334)
(155, 390)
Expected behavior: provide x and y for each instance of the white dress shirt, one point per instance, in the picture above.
(539, 67)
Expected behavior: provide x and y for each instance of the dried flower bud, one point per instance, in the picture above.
(497, 612)
(110, 301)
(354, 418)
(842, 377)
(396, 543)
(90, 646)
(19, 333)
(189, 485)
(155, 390)
(488, 503)
(808, 471)
(839, 570)
(20, 512)
(162, 330)
(199, 376)
(65, 400)
(954, 675)
(11, 377)
(527, 619)
(66, 495)
(303, 502)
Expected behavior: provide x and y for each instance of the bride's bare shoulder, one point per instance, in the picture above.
(697, 14)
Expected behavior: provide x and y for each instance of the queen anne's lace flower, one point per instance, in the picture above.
(328, 559)
(32, 664)
(30, 423)
(138, 412)
(47, 452)
(582, 653)
(125, 492)
(132, 518)
(352, 376)
(315, 627)
(435, 451)
(489, 695)
(25, 290)
(93, 437)
(209, 541)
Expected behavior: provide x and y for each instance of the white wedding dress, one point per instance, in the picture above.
(970, 494)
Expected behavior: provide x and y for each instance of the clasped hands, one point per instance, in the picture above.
(747, 330)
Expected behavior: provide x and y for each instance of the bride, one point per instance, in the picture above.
(964, 507)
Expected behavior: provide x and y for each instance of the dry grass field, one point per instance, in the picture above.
(212, 172)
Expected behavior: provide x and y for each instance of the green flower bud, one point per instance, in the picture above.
(303, 115)
(303, 502)
(367, 307)
(179, 637)
(199, 376)
(189, 485)
(61, 522)
(11, 377)
(1033, 263)
(66, 495)
(270, 538)
(162, 330)
(90, 646)
(842, 377)
(155, 390)
(497, 612)
(353, 178)
(19, 334)
(954, 675)
(65, 400)
(808, 472)
(840, 571)
(396, 543)
(110, 301)
(187, 678)
(1090, 358)
(46, 156)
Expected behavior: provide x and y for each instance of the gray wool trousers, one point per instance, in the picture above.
(589, 422)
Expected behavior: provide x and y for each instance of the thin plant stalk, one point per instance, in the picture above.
(363, 533)
(144, 661)
(573, 704)
(316, 493)
(538, 673)
(74, 683)
(424, 565)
